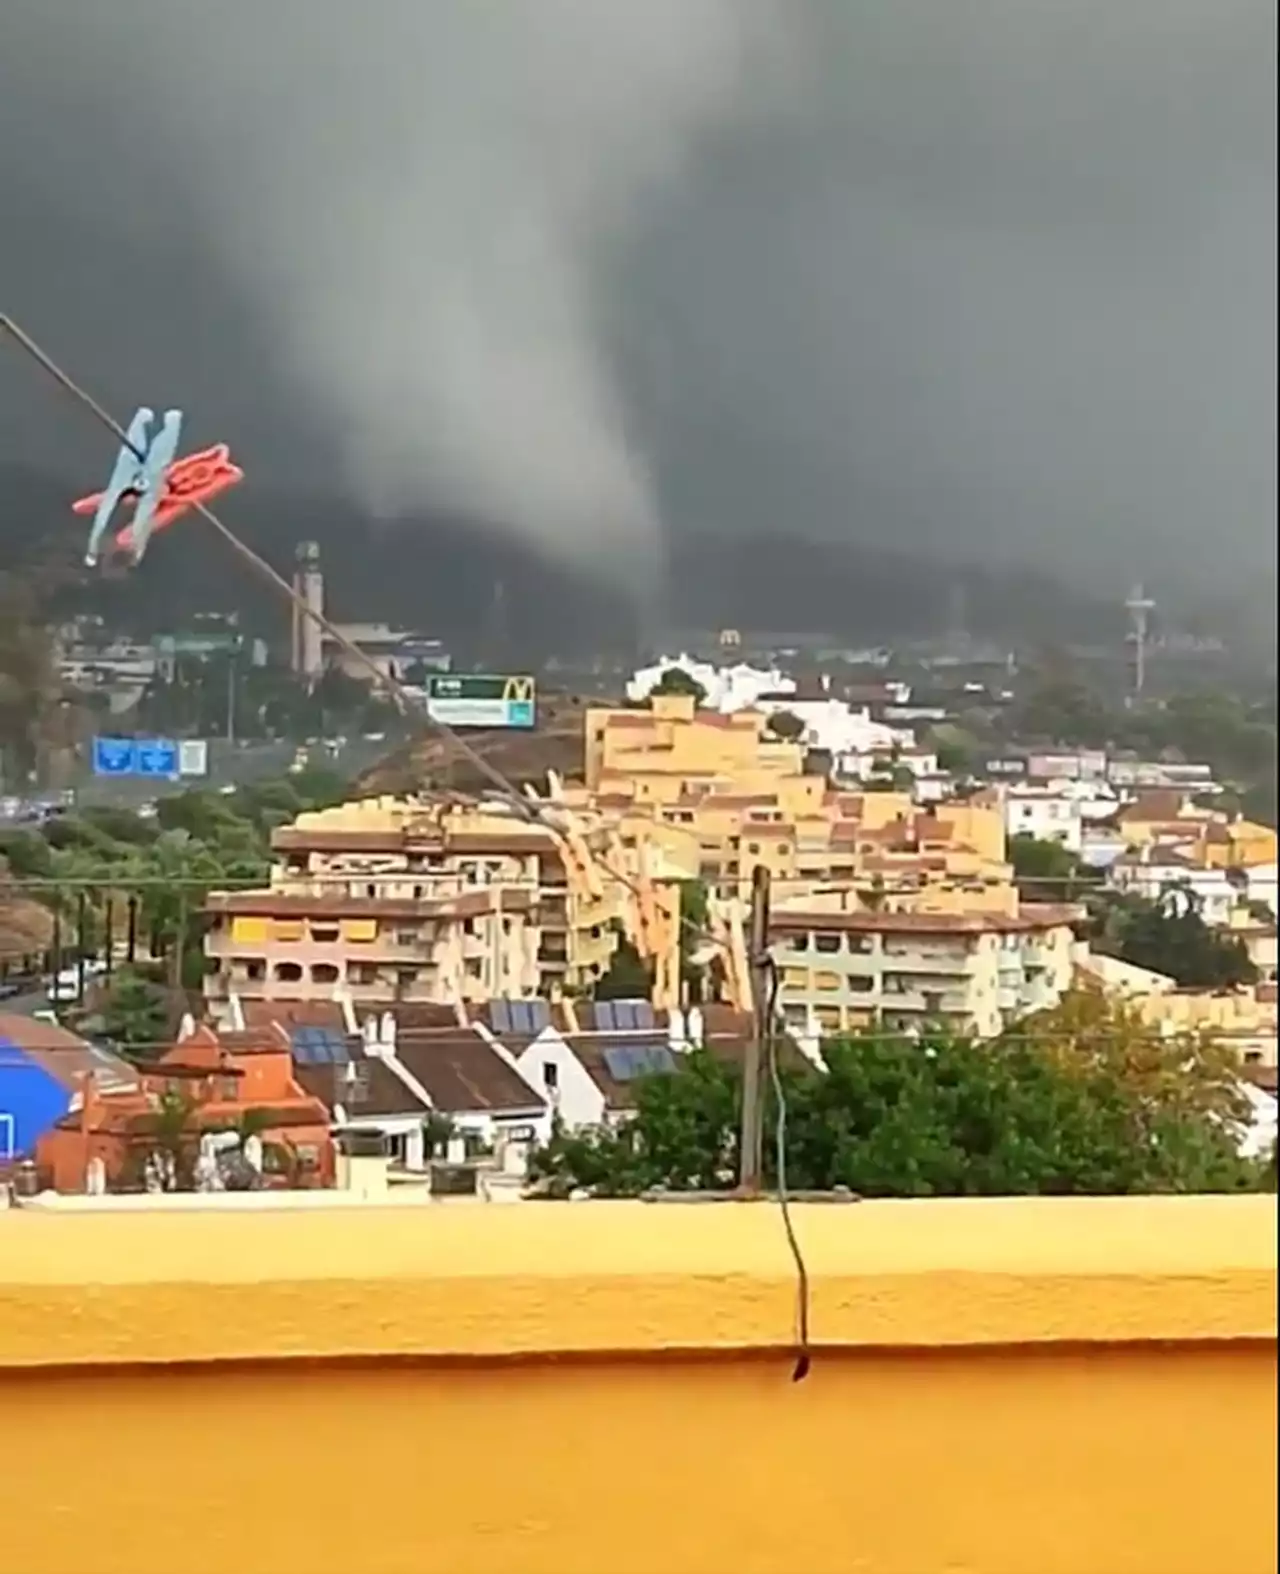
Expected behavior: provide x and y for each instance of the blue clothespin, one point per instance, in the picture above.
(161, 452)
(126, 476)
(139, 470)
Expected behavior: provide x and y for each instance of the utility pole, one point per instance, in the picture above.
(231, 695)
(751, 1144)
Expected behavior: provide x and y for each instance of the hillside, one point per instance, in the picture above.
(442, 573)
(522, 757)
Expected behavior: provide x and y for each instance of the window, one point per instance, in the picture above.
(800, 942)
(407, 936)
(828, 944)
(324, 973)
(550, 1076)
(288, 972)
(324, 934)
(255, 968)
(860, 984)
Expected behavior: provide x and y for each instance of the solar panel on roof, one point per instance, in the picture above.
(500, 1013)
(626, 1062)
(604, 1015)
(521, 1017)
(540, 1014)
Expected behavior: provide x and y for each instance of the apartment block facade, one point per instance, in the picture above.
(388, 900)
(724, 795)
(970, 972)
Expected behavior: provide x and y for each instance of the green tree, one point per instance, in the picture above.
(1047, 871)
(693, 924)
(135, 1012)
(1170, 937)
(786, 725)
(675, 680)
(1059, 708)
(627, 977)
(1091, 1104)
(955, 757)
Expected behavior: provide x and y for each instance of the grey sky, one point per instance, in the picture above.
(994, 277)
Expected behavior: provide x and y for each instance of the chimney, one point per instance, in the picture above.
(236, 1012)
(90, 1105)
(186, 1027)
(693, 1030)
(343, 998)
(362, 1163)
(387, 1034)
(369, 1033)
(676, 1029)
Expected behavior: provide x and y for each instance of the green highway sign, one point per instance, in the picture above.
(477, 699)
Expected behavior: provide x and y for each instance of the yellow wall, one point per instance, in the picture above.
(1248, 846)
(1069, 1387)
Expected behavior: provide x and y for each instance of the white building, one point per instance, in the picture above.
(1050, 814)
(727, 689)
(1216, 894)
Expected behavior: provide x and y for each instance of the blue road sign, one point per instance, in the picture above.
(115, 757)
(157, 757)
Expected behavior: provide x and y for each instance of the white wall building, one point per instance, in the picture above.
(1216, 893)
(727, 689)
(1049, 814)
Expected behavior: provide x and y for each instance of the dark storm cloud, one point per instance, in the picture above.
(994, 277)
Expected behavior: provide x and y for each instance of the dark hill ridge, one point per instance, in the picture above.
(441, 573)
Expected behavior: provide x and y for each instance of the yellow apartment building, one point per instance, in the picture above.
(1206, 837)
(973, 972)
(723, 795)
(1243, 1018)
(413, 900)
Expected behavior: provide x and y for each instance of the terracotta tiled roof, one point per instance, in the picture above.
(30, 1033)
(383, 1094)
(461, 1073)
(411, 1016)
(1154, 805)
(464, 1074)
(294, 1013)
(786, 921)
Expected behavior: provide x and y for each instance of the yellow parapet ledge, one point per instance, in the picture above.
(88, 1288)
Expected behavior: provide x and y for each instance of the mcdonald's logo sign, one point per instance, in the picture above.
(518, 689)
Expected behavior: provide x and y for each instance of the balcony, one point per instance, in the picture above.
(924, 959)
(1099, 1373)
(933, 1002)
